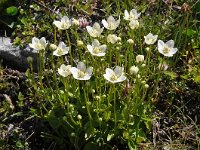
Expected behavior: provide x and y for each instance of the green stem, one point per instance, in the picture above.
(70, 48)
(86, 103)
(66, 99)
(115, 113)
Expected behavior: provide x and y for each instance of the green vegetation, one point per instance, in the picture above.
(104, 83)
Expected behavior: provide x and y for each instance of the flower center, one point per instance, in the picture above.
(150, 40)
(96, 50)
(81, 74)
(111, 26)
(113, 77)
(95, 32)
(39, 46)
(63, 25)
(132, 17)
(60, 51)
(166, 50)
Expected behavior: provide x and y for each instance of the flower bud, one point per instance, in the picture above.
(100, 119)
(134, 70)
(147, 49)
(30, 59)
(79, 43)
(98, 97)
(79, 117)
(73, 134)
(130, 41)
(146, 86)
(53, 46)
(143, 65)
(139, 58)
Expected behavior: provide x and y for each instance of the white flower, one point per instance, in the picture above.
(134, 70)
(150, 39)
(96, 48)
(139, 58)
(64, 70)
(81, 72)
(112, 38)
(134, 24)
(64, 24)
(94, 31)
(62, 49)
(116, 75)
(111, 24)
(130, 41)
(133, 15)
(167, 49)
(38, 44)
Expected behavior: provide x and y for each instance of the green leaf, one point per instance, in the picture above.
(197, 79)
(20, 96)
(189, 32)
(141, 137)
(173, 75)
(12, 10)
(132, 145)
(53, 120)
(90, 146)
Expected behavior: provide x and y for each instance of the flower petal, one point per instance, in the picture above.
(126, 15)
(65, 19)
(90, 48)
(170, 43)
(95, 43)
(74, 71)
(173, 51)
(43, 41)
(110, 19)
(57, 24)
(103, 48)
(109, 71)
(121, 78)
(118, 70)
(89, 71)
(160, 46)
(96, 26)
(81, 66)
(35, 40)
(105, 24)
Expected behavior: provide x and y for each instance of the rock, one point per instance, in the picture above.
(14, 56)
